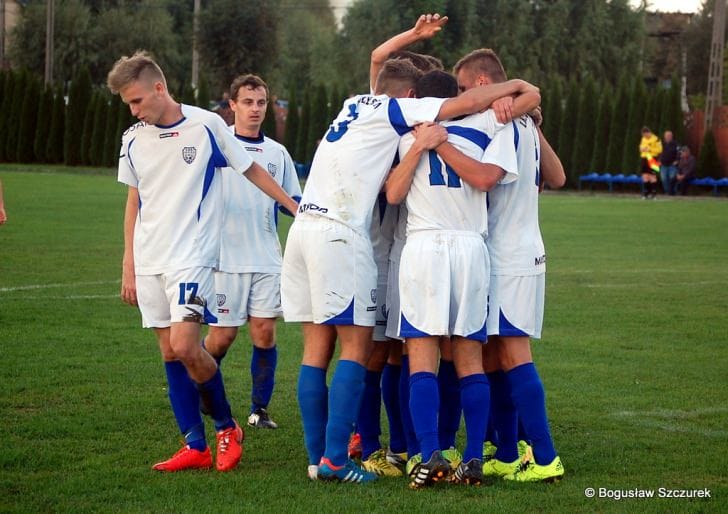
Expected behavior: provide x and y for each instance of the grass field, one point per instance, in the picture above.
(634, 359)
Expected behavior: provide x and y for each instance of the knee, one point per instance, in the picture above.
(263, 333)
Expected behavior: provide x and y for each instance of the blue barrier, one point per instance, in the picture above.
(610, 180)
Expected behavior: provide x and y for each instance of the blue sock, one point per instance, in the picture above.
(475, 399)
(218, 359)
(413, 446)
(212, 394)
(490, 433)
(185, 400)
(530, 401)
(450, 410)
(521, 432)
(368, 421)
(313, 400)
(390, 397)
(504, 416)
(347, 386)
(263, 372)
(424, 403)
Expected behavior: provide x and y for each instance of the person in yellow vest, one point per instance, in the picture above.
(650, 150)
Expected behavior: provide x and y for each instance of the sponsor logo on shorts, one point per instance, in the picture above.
(312, 207)
(165, 135)
(272, 169)
(540, 260)
(223, 311)
(189, 153)
(371, 309)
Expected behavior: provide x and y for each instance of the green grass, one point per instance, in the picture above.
(634, 359)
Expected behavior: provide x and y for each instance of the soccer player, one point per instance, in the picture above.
(171, 241)
(247, 282)
(328, 279)
(515, 307)
(446, 226)
(383, 375)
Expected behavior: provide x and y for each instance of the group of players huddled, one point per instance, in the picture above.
(418, 224)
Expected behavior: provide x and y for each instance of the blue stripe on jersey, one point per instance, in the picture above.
(396, 118)
(476, 136)
(506, 328)
(128, 151)
(516, 134)
(407, 330)
(346, 317)
(217, 160)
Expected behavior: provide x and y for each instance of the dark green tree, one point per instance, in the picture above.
(98, 134)
(111, 137)
(319, 122)
(43, 125)
(552, 111)
(79, 98)
(652, 115)
(567, 128)
(270, 125)
(229, 50)
(54, 146)
(292, 123)
(28, 118)
(585, 130)
(6, 106)
(187, 95)
(88, 129)
(203, 92)
(13, 120)
(302, 136)
(673, 118)
(633, 134)
(602, 130)
(618, 127)
(708, 164)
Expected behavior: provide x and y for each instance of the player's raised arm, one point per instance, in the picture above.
(265, 183)
(481, 97)
(427, 137)
(128, 275)
(552, 171)
(426, 26)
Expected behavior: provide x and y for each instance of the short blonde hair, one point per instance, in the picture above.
(140, 66)
(482, 61)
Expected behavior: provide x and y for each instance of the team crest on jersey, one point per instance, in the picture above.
(189, 153)
(272, 169)
(221, 299)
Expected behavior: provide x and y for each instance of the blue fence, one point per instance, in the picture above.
(610, 180)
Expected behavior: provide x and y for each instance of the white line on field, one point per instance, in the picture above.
(674, 420)
(632, 284)
(69, 297)
(50, 286)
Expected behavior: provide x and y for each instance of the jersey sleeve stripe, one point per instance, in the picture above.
(396, 118)
(475, 136)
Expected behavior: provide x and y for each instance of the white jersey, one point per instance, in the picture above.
(354, 157)
(174, 168)
(249, 240)
(438, 199)
(514, 237)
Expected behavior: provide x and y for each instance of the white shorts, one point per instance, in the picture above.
(392, 303)
(516, 305)
(240, 295)
(182, 295)
(382, 313)
(443, 285)
(328, 275)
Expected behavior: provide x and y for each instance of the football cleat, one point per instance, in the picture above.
(497, 468)
(425, 474)
(378, 463)
(489, 450)
(354, 447)
(397, 459)
(529, 471)
(312, 472)
(525, 452)
(411, 463)
(470, 473)
(453, 456)
(186, 458)
(229, 447)
(261, 419)
(348, 472)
